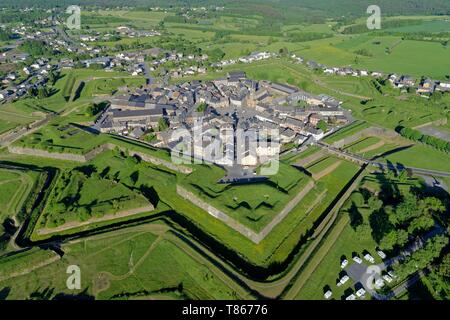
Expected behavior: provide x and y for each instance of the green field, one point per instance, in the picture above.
(362, 144)
(62, 136)
(421, 156)
(108, 87)
(17, 114)
(346, 131)
(142, 263)
(426, 26)
(14, 188)
(322, 164)
(79, 196)
(111, 187)
(254, 205)
(406, 56)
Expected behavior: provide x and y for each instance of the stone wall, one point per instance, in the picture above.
(237, 226)
(95, 152)
(46, 154)
(253, 236)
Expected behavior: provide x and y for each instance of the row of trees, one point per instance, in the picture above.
(416, 135)
(362, 28)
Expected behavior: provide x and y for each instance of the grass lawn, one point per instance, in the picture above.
(14, 188)
(17, 114)
(322, 164)
(78, 198)
(62, 136)
(109, 184)
(346, 131)
(109, 87)
(362, 144)
(130, 263)
(328, 269)
(293, 157)
(421, 156)
(254, 205)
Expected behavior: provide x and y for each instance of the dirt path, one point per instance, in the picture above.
(327, 171)
(315, 156)
(139, 262)
(76, 224)
(373, 147)
(30, 269)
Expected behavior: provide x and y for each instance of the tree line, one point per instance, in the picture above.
(418, 136)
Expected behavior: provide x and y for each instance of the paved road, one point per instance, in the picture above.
(147, 74)
(431, 130)
(349, 156)
(361, 274)
(62, 33)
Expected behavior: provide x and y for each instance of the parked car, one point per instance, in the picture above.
(379, 283)
(369, 258)
(357, 259)
(344, 263)
(381, 254)
(344, 279)
(392, 274)
(361, 292)
(387, 278)
(351, 297)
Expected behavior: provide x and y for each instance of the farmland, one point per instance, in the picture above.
(109, 201)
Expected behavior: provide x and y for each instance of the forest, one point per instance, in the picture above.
(281, 8)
